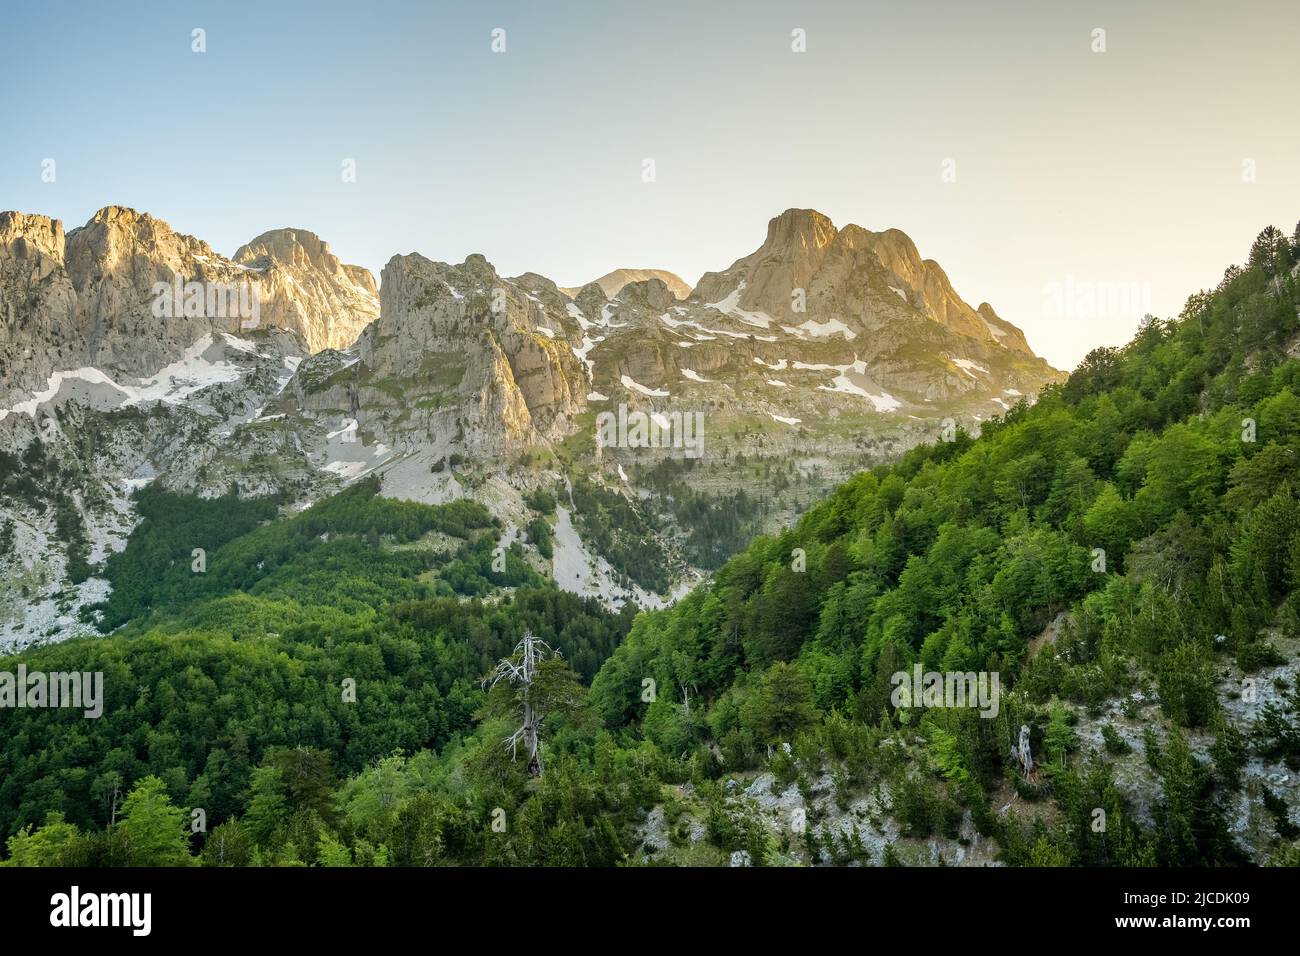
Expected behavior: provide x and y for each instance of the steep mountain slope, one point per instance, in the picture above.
(805, 361)
(403, 599)
(90, 299)
(1124, 556)
(38, 304)
(102, 391)
(305, 287)
(473, 383)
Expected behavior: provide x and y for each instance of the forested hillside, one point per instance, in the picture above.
(1124, 555)
(229, 672)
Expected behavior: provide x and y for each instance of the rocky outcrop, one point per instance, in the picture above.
(798, 242)
(305, 287)
(38, 328)
(612, 283)
(91, 299)
(474, 356)
(848, 317)
(116, 262)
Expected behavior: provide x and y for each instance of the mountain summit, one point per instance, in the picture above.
(611, 283)
(852, 276)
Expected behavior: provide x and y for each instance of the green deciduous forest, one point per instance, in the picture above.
(1124, 554)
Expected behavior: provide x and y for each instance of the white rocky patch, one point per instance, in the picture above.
(348, 457)
(54, 385)
(997, 332)
(578, 571)
(588, 343)
(695, 376)
(607, 316)
(241, 345)
(575, 313)
(408, 478)
(51, 608)
(784, 420)
(348, 470)
(349, 425)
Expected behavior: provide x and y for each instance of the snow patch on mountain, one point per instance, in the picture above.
(644, 390)
(821, 330)
(730, 305)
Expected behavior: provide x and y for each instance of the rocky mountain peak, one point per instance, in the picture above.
(477, 265)
(38, 327)
(446, 380)
(119, 241)
(362, 277)
(652, 294)
(798, 231)
(31, 237)
(796, 244)
(612, 283)
(87, 298)
(290, 247)
(852, 281)
(305, 287)
(591, 298)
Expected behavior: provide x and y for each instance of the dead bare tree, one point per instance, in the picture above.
(520, 669)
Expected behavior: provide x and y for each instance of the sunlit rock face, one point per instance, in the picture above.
(823, 351)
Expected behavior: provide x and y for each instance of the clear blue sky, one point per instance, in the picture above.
(1116, 167)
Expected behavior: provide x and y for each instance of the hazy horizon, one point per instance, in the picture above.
(1124, 168)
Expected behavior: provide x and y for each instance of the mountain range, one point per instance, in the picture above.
(823, 351)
